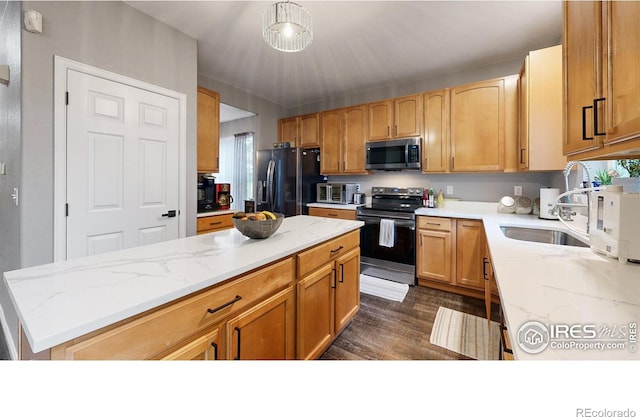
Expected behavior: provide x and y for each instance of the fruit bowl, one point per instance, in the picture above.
(257, 229)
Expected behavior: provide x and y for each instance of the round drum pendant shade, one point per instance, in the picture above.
(287, 27)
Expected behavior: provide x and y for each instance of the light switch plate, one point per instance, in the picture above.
(5, 75)
(449, 189)
(517, 190)
(3, 168)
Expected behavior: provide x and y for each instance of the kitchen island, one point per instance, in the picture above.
(584, 305)
(87, 298)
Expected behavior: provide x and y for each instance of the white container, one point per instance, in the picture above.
(548, 197)
(506, 205)
(523, 205)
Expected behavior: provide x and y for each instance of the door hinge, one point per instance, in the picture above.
(66, 210)
(66, 98)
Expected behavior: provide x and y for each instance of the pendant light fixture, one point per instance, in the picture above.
(287, 27)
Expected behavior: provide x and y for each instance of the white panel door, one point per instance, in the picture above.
(122, 166)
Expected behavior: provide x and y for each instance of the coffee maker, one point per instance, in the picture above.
(207, 197)
(223, 196)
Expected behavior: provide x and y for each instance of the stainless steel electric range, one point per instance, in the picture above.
(388, 238)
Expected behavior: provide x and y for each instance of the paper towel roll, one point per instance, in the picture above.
(548, 197)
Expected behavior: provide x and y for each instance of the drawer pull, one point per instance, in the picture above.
(334, 251)
(214, 223)
(215, 310)
(332, 214)
(433, 224)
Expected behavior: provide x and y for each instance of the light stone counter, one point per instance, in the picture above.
(335, 206)
(557, 285)
(63, 300)
(214, 213)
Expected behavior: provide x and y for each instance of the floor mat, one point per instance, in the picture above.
(378, 287)
(466, 334)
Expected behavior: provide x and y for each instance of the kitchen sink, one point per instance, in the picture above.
(553, 237)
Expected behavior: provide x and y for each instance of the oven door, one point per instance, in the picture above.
(403, 250)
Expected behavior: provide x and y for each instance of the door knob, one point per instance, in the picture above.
(170, 213)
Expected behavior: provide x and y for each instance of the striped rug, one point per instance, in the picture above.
(383, 288)
(466, 334)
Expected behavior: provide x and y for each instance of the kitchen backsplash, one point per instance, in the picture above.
(469, 187)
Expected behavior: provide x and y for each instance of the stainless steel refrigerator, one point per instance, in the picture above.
(287, 179)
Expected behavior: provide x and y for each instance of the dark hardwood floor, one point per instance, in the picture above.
(390, 330)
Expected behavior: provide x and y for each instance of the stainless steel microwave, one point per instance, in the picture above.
(394, 154)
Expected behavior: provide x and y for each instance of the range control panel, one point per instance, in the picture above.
(396, 191)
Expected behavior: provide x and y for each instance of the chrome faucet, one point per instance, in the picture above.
(565, 211)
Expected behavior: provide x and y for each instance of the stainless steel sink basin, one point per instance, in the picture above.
(553, 237)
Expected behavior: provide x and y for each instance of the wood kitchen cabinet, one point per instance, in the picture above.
(342, 140)
(214, 223)
(450, 254)
(205, 347)
(333, 213)
(396, 118)
(328, 293)
(601, 99)
(266, 331)
(436, 248)
(304, 130)
(484, 126)
(208, 131)
(540, 132)
(435, 150)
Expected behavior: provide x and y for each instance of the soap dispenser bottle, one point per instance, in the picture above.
(440, 200)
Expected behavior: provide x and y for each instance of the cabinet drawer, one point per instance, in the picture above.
(326, 252)
(435, 223)
(214, 223)
(151, 333)
(332, 213)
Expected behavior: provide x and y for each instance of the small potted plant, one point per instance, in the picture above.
(631, 183)
(605, 177)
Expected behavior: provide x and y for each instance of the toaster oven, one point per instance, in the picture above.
(336, 193)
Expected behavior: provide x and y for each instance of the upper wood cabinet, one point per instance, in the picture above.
(304, 131)
(342, 140)
(435, 149)
(208, 131)
(601, 98)
(582, 77)
(484, 125)
(540, 130)
(396, 118)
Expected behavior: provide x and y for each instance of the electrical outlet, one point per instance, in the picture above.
(517, 190)
(449, 189)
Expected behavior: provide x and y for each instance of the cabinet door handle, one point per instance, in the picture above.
(485, 261)
(237, 329)
(595, 117)
(388, 131)
(334, 251)
(341, 273)
(334, 278)
(503, 341)
(215, 351)
(584, 123)
(214, 310)
(522, 155)
(217, 162)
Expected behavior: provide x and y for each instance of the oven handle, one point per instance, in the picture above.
(400, 223)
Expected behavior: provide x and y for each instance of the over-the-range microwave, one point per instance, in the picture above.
(394, 154)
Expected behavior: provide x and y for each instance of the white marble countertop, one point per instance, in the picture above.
(335, 206)
(557, 285)
(60, 301)
(214, 213)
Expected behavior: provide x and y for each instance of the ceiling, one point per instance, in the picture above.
(358, 45)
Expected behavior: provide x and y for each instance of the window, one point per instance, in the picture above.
(236, 167)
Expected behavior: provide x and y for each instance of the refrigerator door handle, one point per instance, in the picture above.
(270, 185)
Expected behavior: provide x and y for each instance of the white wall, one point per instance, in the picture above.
(10, 155)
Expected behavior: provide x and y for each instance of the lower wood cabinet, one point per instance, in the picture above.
(266, 331)
(214, 223)
(333, 213)
(291, 308)
(328, 297)
(205, 347)
(450, 254)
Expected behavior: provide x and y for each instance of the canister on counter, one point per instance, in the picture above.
(249, 206)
